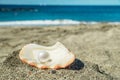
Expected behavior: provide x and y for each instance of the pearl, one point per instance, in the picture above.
(43, 55)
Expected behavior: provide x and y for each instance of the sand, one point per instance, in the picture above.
(96, 46)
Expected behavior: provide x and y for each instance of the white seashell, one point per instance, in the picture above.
(55, 57)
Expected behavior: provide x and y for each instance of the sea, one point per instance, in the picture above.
(45, 15)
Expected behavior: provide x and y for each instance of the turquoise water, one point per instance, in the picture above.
(80, 13)
(72, 13)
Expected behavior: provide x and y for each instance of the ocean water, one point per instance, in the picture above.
(57, 15)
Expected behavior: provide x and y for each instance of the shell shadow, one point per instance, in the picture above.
(76, 65)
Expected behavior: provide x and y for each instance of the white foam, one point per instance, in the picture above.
(90, 22)
(39, 23)
(114, 23)
(50, 23)
(95, 22)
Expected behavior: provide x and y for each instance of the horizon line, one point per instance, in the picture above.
(57, 5)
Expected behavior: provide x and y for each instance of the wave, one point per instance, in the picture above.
(39, 23)
(50, 23)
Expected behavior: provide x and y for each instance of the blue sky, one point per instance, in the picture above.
(62, 2)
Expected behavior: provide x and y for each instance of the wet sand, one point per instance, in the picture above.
(97, 50)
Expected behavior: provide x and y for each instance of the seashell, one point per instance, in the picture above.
(54, 57)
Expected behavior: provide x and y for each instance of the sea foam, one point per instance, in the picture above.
(39, 23)
(51, 23)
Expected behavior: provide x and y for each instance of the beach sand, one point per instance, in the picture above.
(96, 46)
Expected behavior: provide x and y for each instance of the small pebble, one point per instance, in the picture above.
(64, 77)
(53, 71)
